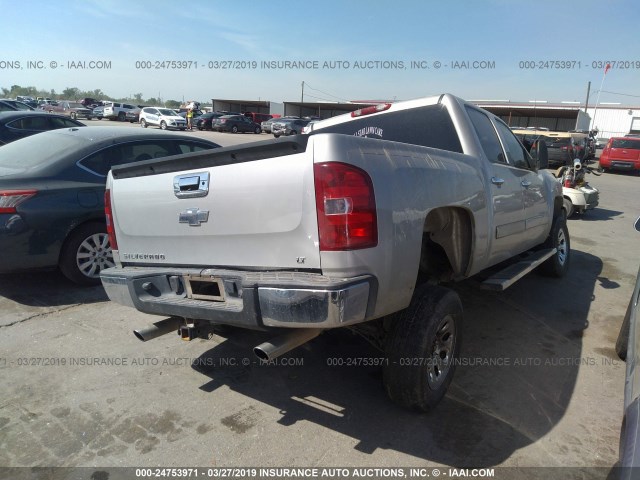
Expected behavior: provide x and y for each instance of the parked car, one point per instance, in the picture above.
(308, 128)
(72, 109)
(117, 111)
(258, 117)
(8, 105)
(562, 147)
(52, 195)
(27, 101)
(90, 102)
(19, 124)
(266, 125)
(621, 153)
(203, 122)
(163, 118)
(336, 229)
(235, 124)
(98, 112)
(133, 116)
(628, 348)
(288, 126)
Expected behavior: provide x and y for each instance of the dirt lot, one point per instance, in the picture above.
(540, 384)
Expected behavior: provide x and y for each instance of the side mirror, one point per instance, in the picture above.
(637, 224)
(540, 155)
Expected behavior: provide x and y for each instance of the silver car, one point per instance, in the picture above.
(628, 348)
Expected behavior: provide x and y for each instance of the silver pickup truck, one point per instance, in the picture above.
(354, 225)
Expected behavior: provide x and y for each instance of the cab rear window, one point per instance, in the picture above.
(428, 126)
(629, 144)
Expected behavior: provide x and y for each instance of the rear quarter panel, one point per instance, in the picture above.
(409, 181)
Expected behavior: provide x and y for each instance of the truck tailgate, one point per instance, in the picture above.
(228, 211)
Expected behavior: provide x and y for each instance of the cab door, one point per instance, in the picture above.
(506, 191)
(535, 198)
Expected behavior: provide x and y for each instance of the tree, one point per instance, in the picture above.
(172, 104)
(71, 93)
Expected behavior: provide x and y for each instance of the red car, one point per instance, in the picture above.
(621, 153)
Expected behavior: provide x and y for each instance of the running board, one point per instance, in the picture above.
(510, 275)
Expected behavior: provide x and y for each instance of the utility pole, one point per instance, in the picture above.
(302, 98)
(586, 103)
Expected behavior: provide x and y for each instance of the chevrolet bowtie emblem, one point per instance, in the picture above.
(193, 216)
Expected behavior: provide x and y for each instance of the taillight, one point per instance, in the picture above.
(108, 212)
(346, 207)
(369, 110)
(10, 199)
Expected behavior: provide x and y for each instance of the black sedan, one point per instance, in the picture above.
(8, 105)
(235, 124)
(204, 121)
(21, 123)
(52, 195)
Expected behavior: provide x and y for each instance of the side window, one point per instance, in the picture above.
(188, 147)
(487, 135)
(516, 155)
(136, 152)
(101, 162)
(30, 123)
(61, 123)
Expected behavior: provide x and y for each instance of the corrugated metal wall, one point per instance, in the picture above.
(612, 122)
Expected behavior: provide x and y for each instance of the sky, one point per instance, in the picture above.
(342, 50)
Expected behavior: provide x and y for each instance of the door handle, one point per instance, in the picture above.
(497, 181)
(525, 183)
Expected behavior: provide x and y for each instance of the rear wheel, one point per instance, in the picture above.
(257, 130)
(85, 253)
(421, 348)
(73, 115)
(558, 265)
(143, 123)
(234, 129)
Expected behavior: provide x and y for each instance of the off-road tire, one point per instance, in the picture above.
(86, 252)
(421, 348)
(558, 264)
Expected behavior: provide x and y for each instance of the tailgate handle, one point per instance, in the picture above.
(192, 185)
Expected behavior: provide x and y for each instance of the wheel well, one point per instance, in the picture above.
(558, 206)
(446, 244)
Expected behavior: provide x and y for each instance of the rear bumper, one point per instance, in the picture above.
(245, 299)
(624, 165)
